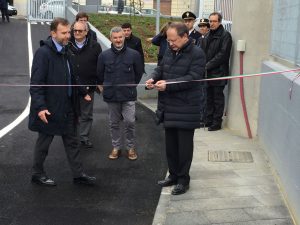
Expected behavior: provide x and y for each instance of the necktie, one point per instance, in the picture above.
(68, 72)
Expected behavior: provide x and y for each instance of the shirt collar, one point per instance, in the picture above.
(57, 45)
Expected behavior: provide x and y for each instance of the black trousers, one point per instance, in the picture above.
(215, 104)
(4, 13)
(71, 144)
(179, 150)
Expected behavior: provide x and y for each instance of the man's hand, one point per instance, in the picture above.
(149, 84)
(42, 115)
(160, 85)
(87, 98)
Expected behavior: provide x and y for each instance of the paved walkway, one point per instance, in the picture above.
(227, 193)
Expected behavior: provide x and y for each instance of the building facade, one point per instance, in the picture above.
(271, 29)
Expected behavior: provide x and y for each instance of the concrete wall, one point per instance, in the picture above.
(279, 129)
(252, 24)
(21, 6)
(286, 29)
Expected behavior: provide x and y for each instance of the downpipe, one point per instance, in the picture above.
(242, 95)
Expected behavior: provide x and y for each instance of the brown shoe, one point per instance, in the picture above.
(115, 153)
(132, 154)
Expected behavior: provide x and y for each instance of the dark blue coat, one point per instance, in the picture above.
(119, 72)
(195, 35)
(180, 104)
(161, 41)
(4, 4)
(49, 67)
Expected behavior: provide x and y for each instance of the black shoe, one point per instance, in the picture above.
(167, 182)
(84, 179)
(180, 189)
(214, 127)
(42, 180)
(87, 144)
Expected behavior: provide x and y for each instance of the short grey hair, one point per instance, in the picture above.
(115, 30)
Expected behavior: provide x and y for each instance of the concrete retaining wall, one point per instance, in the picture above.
(279, 129)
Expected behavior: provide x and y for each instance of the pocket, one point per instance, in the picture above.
(127, 67)
(159, 116)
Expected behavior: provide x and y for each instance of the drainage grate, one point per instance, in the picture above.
(223, 156)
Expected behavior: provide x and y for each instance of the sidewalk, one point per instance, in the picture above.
(227, 193)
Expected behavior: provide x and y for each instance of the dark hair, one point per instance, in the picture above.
(82, 15)
(217, 14)
(126, 25)
(58, 20)
(180, 27)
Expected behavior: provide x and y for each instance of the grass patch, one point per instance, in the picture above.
(142, 27)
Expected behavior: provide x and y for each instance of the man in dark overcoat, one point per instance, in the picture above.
(219, 42)
(179, 108)
(4, 10)
(85, 52)
(119, 70)
(54, 104)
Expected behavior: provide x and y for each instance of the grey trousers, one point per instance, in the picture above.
(116, 112)
(71, 144)
(86, 117)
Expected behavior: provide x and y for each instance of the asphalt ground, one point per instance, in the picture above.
(125, 191)
(13, 69)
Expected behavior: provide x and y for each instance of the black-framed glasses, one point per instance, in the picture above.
(78, 31)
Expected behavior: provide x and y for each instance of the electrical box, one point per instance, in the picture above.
(241, 46)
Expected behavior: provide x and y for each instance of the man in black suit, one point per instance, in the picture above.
(179, 107)
(54, 104)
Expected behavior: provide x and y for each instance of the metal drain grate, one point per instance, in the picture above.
(230, 156)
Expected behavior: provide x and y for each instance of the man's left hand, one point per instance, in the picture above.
(160, 85)
(87, 98)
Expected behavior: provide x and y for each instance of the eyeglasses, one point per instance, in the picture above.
(78, 31)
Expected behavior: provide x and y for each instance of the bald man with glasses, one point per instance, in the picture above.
(85, 52)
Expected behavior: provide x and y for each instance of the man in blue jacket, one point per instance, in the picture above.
(119, 70)
(54, 104)
(179, 108)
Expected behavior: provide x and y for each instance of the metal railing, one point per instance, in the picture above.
(46, 10)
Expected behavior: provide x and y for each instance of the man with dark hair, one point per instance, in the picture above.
(119, 70)
(217, 65)
(84, 17)
(179, 107)
(54, 104)
(4, 10)
(132, 41)
(85, 54)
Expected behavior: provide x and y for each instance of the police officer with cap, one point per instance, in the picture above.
(189, 20)
(204, 31)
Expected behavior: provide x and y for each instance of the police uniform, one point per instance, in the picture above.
(202, 41)
(194, 34)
